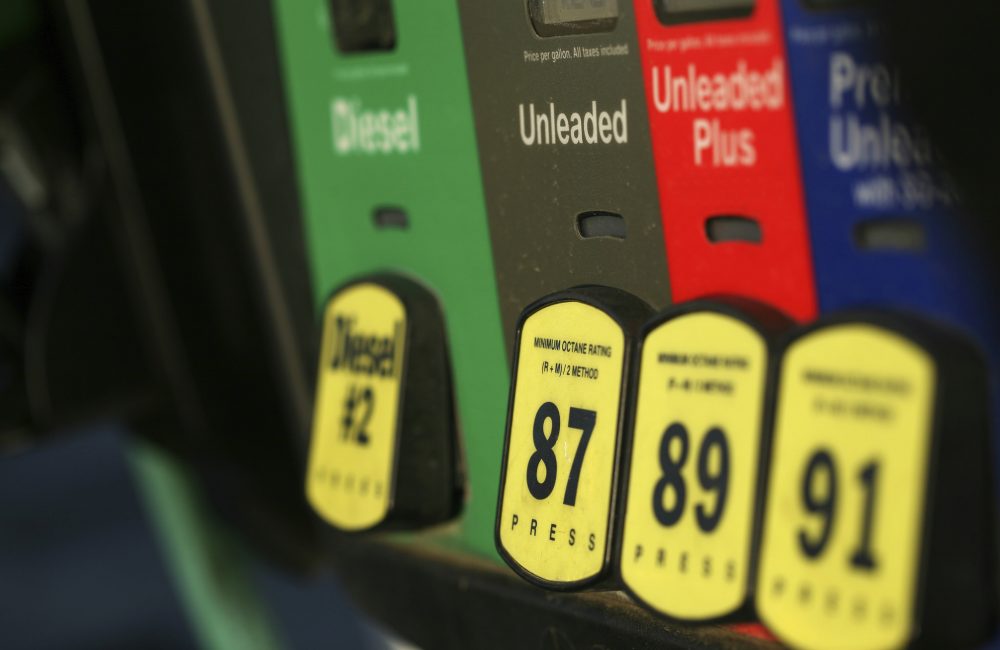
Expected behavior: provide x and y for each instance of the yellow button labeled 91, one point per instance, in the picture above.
(694, 480)
(878, 524)
(383, 440)
(569, 389)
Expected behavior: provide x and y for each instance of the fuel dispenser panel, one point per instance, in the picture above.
(464, 163)
(724, 142)
(753, 333)
(564, 143)
(387, 164)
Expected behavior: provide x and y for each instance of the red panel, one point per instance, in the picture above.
(754, 630)
(724, 142)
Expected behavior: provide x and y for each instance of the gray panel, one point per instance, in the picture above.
(536, 192)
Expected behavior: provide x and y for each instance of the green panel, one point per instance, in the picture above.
(435, 180)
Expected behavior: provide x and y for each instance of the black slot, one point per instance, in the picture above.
(677, 12)
(363, 25)
(595, 224)
(563, 17)
(891, 234)
(733, 228)
(390, 217)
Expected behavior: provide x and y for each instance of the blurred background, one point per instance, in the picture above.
(86, 566)
(107, 539)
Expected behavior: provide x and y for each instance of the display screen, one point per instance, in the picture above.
(557, 12)
(833, 4)
(363, 25)
(686, 11)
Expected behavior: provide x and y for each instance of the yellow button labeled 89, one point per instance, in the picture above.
(569, 389)
(694, 484)
(879, 520)
(383, 443)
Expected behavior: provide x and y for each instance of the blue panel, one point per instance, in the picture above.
(866, 162)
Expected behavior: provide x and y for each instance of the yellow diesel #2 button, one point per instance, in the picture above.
(698, 443)
(383, 452)
(878, 528)
(568, 393)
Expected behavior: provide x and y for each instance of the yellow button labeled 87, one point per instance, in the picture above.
(568, 394)
(383, 452)
(694, 479)
(879, 519)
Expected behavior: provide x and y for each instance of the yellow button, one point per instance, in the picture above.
(563, 440)
(356, 419)
(846, 498)
(693, 480)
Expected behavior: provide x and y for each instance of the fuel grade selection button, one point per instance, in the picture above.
(558, 483)
(697, 446)
(878, 529)
(383, 451)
